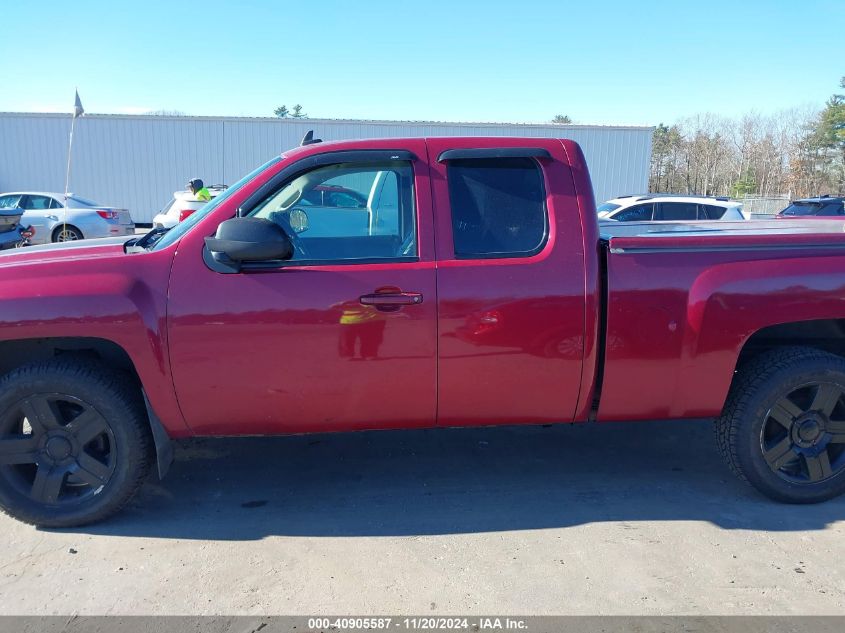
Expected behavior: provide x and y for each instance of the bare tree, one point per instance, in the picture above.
(764, 155)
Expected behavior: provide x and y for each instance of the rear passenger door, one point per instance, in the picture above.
(510, 280)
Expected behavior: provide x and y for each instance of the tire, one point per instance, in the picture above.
(66, 233)
(783, 426)
(75, 442)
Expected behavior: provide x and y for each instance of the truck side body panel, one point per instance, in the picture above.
(493, 340)
(593, 279)
(678, 318)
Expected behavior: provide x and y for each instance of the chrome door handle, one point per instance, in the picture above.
(391, 299)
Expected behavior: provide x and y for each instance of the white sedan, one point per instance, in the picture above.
(55, 221)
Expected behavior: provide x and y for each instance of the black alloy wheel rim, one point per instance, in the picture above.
(56, 450)
(803, 434)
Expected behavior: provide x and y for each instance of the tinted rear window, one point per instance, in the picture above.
(710, 212)
(498, 207)
(832, 208)
(802, 208)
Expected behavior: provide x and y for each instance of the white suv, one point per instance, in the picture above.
(184, 203)
(670, 208)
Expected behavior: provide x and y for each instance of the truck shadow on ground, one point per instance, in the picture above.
(451, 481)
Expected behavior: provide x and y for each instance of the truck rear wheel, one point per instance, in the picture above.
(75, 444)
(783, 426)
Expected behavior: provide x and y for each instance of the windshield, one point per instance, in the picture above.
(75, 202)
(174, 234)
(607, 207)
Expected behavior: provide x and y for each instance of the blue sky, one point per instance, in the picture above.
(604, 62)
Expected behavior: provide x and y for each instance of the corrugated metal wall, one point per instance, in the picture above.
(137, 162)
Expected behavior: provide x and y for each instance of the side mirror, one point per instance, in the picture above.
(249, 240)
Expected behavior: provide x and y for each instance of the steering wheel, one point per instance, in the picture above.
(281, 218)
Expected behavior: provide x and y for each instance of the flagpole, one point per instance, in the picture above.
(78, 111)
(67, 173)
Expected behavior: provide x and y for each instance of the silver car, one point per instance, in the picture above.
(53, 221)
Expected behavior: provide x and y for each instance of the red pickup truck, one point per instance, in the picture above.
(475, 287)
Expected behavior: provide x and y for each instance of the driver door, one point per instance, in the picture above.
(341, 337)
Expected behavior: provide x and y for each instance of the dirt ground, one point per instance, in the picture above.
(610, 519)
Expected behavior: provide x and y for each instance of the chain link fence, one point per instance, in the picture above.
(760, 208)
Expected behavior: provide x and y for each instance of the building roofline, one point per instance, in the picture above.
(317, 122)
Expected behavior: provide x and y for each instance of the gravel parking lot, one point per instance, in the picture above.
(610, 519)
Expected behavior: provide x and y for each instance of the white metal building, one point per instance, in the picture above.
(137, 162)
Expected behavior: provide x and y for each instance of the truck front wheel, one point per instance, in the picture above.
(783, 426)
(75, 444)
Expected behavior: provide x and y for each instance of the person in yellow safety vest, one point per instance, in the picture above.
(360, 324)
(196, 187)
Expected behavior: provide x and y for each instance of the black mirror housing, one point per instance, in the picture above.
(250, 240)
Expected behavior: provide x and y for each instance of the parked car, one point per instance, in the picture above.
(822, 207)
(671, 208)
(183, 204)
(495, 297)
(53, 221)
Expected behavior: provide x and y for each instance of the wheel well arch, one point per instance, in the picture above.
(823, 334)
(15, 353)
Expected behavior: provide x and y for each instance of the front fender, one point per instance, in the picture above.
(112, 296)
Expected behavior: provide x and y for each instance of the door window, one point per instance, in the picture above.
(37, 203)
(677, 211)
(637, 213)
(498, 207)
(347, 212)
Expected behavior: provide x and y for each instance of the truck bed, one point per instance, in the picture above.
(682, 300)
(667, 236)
